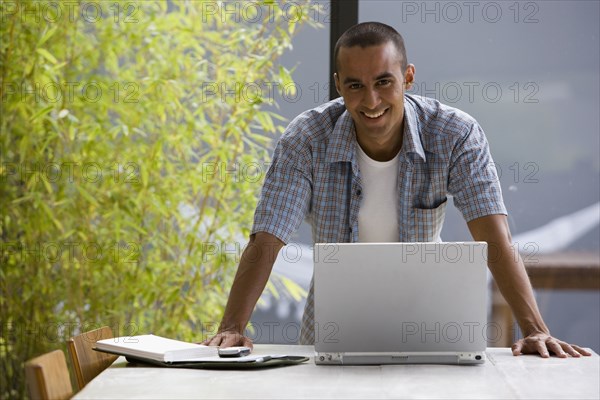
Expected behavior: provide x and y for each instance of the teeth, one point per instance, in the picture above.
(375, 115)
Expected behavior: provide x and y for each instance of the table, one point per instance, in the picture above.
(502, 376)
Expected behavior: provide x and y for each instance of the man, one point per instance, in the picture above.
(377, 167)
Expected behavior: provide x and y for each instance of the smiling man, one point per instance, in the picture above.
(377, 165)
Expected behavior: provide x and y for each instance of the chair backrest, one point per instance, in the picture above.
(47, 377)
(87, 362)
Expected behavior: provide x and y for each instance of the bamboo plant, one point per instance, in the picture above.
(134, 138)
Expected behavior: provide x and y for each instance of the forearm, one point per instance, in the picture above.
(512, 280)
(509, 271)
(252, 275)
(510, 275)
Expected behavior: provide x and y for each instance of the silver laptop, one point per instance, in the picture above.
(400, 303)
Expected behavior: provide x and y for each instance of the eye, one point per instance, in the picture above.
(384, 82)
(355, 86)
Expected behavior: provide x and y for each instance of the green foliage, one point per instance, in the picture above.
(128, 164)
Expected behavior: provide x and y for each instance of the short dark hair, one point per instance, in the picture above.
(368, 34)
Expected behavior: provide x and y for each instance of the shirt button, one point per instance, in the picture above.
(358, 192)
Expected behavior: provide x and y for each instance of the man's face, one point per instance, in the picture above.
(372, 84)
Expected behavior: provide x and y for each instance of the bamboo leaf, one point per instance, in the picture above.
(86, 195)
(41, 113)
(47, 35)
(44, 53)
(49, 214)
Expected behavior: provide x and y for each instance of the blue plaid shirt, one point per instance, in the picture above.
(315, 175)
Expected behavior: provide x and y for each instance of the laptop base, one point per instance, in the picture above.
(355, 358)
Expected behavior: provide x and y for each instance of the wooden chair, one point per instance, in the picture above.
(87, 362)
(47, 377)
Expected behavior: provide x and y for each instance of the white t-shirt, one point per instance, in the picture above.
(378, 214)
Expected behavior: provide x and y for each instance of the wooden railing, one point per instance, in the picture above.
(561, 271)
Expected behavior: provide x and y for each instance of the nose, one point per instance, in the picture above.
(371, 99)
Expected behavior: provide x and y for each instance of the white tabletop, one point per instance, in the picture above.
(502, 376)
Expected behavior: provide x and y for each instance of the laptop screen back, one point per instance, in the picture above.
(400, 297)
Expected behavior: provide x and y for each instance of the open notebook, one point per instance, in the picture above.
(157, 350)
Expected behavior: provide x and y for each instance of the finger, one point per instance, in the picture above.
(238, 340)
(540, 346)
(517, 348)
(247, 342)
(569, 349)
(206, 342)
(230, 341)
(581, 350)
(215, 340)
(556, 348)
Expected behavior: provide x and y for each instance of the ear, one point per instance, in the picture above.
(336, 78)
(409, 76)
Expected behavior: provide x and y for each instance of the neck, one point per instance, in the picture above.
(382, 149)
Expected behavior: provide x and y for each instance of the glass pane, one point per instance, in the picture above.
(529, 73)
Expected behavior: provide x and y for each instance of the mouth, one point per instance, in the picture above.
(374, 115)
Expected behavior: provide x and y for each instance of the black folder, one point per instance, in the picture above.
(263, 362)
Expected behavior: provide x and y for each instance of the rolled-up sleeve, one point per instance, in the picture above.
(473, 180)
(286, 192)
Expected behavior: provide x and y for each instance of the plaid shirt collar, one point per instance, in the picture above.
(343, 138)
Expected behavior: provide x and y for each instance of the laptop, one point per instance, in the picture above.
(400, 303)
